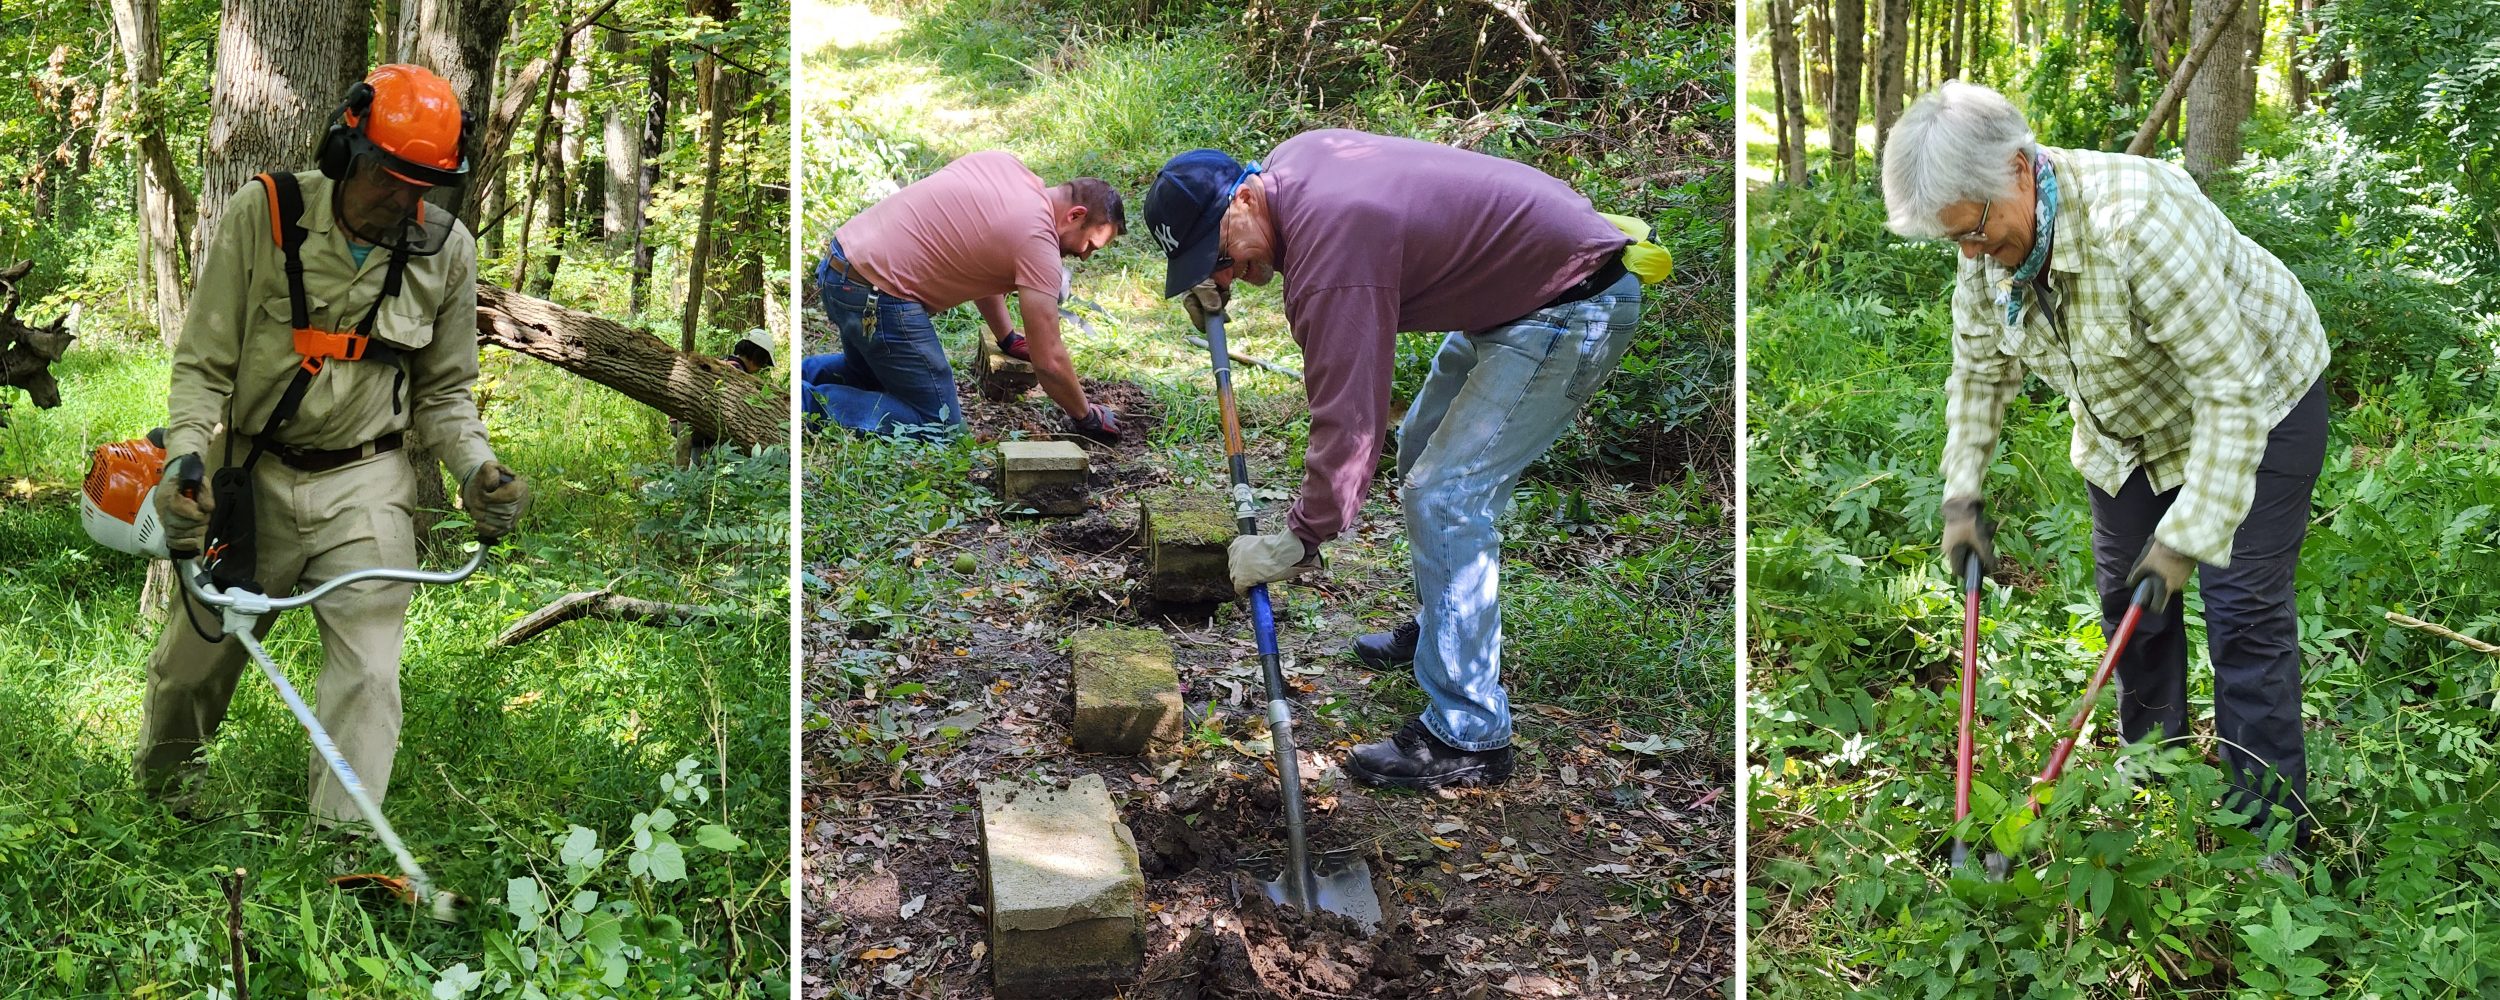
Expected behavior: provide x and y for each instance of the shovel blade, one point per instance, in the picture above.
(1341, 883)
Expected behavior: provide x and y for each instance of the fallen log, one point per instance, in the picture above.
(603, 606)
(716, 398)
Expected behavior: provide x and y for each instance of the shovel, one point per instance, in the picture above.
(1341, 881)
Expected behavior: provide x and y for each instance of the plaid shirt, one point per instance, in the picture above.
(2178, 342)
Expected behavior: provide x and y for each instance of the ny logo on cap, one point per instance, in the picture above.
(1163, 235)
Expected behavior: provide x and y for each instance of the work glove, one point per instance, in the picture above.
(2168, 567)
(1257, 559)
(1100, 423)
(1206, 299)
(185, 519)
(1013, 346)
(493, 496)
(1966, 530)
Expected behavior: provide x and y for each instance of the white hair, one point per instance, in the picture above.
(1952, 146)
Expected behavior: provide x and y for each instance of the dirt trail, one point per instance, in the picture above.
(1596, 872)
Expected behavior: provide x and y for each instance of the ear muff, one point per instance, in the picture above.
(338, 150)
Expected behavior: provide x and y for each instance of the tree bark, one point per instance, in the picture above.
(165, 203)
(1848, 52)
(461, 41)
(716, 398)
(282, 66)
(2142, 145)
(654, 140)
(700, 260)
(2215, 106)
(1890, 76)
(621, 211)
(1819, 38)
(602, 605)
(1791, 89)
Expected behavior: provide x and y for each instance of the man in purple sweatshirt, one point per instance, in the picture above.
(1375, 235)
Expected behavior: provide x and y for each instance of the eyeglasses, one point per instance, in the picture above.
(1979, 232)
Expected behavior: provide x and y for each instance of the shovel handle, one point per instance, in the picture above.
(1963, 753)
(2136, 604)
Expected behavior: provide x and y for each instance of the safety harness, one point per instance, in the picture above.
(232, 556)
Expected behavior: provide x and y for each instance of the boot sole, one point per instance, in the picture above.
(1479, 776)
(1382, 661)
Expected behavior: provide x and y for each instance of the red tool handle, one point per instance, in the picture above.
(2092, 692)
(1970, 686)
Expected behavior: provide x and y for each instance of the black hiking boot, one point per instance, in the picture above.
(1396, 648)
(1416, 759)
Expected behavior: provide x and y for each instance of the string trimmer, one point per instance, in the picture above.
(1338, 882)
(242, 610)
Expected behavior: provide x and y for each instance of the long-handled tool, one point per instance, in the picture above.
(1970, 701)
(2136, 605)
(1340, 882)
(242, 610)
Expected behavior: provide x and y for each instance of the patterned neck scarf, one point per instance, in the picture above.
(2015, 292)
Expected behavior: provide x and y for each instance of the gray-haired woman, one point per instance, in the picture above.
(2190, 359)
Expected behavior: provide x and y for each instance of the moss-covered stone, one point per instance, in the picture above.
(1185, 532)
(1064, 886)
(1127, 693)
(999, 374)
(1048, 476)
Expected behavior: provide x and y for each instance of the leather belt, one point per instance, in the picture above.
(304, 460)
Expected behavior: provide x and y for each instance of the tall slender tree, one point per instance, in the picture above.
(282, 66)
(1848, 52)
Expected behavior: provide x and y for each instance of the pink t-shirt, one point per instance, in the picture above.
(978, 227)
(1376, 235)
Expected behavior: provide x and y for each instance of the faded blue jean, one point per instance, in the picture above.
(894, 379)
(1494, 402)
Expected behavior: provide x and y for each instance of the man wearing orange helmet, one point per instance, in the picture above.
(336, 311)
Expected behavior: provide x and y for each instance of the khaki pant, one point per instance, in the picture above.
(313, 526)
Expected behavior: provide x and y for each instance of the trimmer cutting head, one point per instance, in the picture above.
(1341, 883)
(440, 906)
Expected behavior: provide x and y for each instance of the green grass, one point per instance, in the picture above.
(505, 751)
(1630, 615)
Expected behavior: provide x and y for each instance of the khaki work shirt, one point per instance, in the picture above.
(2178, 342)
(237, 351)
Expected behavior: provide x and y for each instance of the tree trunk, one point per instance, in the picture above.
(2296, 50)
(2142, 145)
(1848, 52)
(282, 66)
(461, 41)
(2130, 46)
(2019, 28)
(165, 203)
(1819, 55)
(564, 160)
(2215, 106)
(701, 258)
(714, 397)
(1792, 108)
(622, 209)
(1889, 78)
(654, 139)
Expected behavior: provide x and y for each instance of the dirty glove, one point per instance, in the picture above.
(1257, 559)
(1967, 531)
(1013, 346)
(493, 496)
(2168, 567)
(1100, 423)
(185, 519)
(1206, 299)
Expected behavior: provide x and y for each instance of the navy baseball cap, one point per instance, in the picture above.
(1185, 211)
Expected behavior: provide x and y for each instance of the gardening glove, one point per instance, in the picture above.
(1100, 423)
(1966, 530)
(1257, 559)
(2168, 567)
(1013, 346)
(493, 496)
(185, 519)
(1206, 299)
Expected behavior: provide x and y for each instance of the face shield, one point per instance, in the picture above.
(394, 205)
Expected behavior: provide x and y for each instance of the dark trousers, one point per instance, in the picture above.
(2252, 631)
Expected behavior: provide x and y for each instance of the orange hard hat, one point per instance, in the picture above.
(413, 118)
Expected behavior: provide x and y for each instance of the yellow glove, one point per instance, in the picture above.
(1646, 260)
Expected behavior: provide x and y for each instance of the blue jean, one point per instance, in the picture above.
(893, 379)
(1494, 402)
